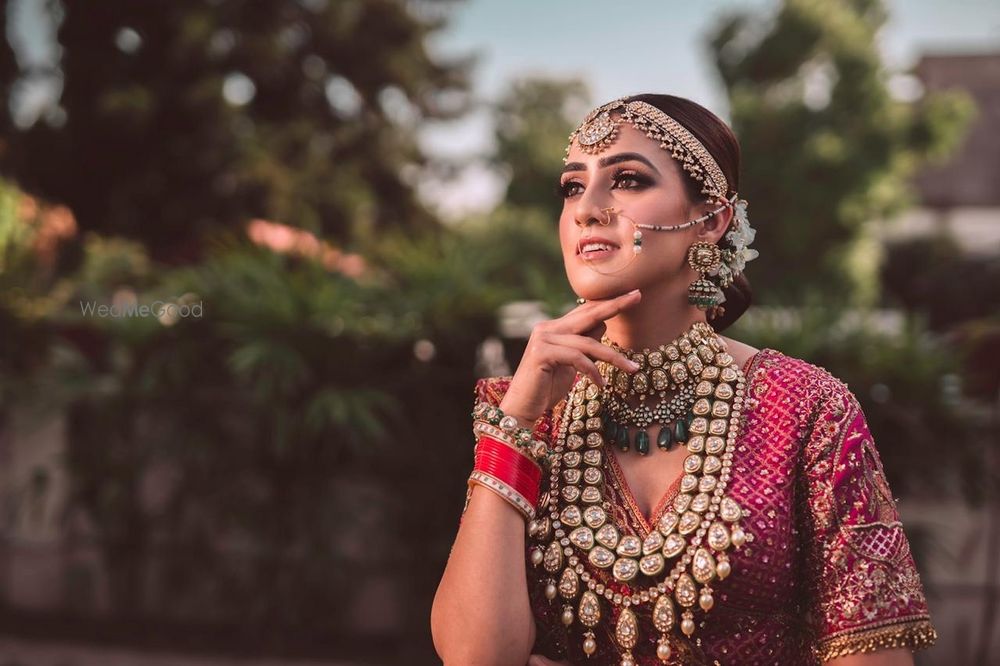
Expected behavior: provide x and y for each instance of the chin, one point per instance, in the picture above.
(594, 286)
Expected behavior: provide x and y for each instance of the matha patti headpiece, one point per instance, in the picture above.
(599, 130)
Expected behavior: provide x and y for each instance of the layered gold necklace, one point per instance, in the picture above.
(687, 550)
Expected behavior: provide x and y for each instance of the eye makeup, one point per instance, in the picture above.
(621, 179)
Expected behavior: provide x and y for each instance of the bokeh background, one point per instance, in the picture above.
(253, 256)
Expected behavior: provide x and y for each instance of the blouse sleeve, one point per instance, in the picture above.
(864, 590)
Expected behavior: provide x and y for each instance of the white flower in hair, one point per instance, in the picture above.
(741, 211)
(723, 271)
(741, 256)
(740, 236)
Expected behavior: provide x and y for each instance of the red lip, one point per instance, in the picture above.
(595, 239)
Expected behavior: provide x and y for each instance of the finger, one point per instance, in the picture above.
(593, 313)
(594, 349)
(597, 332)
(578, 360)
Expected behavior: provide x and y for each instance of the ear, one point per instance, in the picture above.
(715, 227)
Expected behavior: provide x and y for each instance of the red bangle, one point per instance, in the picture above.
(509, 466)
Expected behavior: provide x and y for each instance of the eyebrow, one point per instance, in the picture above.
(612, 159)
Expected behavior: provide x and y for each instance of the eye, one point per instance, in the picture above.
(627, 179)
(622, 179)
(569, 189)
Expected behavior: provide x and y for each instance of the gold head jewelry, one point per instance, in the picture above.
(600, 129)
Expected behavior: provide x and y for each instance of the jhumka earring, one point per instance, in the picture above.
(705, 258)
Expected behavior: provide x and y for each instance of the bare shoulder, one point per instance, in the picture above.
(740, 351)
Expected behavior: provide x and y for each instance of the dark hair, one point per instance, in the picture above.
(720, 141)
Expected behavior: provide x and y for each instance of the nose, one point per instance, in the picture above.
(591, 206)
(602, 216)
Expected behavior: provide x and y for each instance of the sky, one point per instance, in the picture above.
(647, 46)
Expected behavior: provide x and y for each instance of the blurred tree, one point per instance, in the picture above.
(518, 241)
(828, 148)
(287, 468)
(177, 118)
(533, 120)
(8, 72)
(30, 235)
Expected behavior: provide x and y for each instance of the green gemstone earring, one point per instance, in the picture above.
(704, 257)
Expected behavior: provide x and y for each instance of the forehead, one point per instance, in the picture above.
(630, 140)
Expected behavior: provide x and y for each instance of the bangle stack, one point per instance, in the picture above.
(509, 474)
(490, 420)
(509, 459)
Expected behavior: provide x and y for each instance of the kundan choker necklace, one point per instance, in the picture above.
(674, 566)
(675, 366)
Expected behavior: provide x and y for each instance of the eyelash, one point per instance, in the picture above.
(641, 181)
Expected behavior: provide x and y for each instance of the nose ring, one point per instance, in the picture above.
(605, 222)
(607, 217)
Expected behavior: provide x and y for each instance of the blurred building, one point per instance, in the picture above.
(961, 199)
(962, 196)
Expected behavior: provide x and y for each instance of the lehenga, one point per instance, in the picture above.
(829, 571)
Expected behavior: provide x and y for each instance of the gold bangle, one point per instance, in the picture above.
(516, 499)
(536, 451)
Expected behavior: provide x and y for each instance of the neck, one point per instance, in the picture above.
(660, 317)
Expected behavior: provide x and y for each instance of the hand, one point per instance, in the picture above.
(539, 660)
(557, 349)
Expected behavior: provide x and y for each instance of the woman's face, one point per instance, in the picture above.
(641, 182)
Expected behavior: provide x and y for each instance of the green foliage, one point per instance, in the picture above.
(292, 384)
(521, 254)
(808, 88)
(516, 245)
(29, 291)
(151, 148)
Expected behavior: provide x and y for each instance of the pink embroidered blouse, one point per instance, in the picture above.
(829, 571)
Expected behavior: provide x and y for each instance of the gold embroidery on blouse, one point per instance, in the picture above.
(867, 569)
(913, 634)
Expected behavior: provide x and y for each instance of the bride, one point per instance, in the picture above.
(648, 491)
